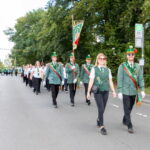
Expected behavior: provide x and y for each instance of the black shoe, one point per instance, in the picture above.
(89, 103)
(34, 90)
(103, 131)
(98, 123)
(130, 130)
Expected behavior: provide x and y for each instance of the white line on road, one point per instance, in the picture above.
(143, 115)
(115, 105)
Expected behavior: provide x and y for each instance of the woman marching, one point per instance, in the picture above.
(100, 80)
(37, 74)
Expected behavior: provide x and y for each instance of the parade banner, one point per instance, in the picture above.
(77, 27)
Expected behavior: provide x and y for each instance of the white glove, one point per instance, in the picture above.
(75, 80)
(73, 67)
(142, 94)
(120, 96)
(44, 83)
(81, 83)
(62, 83)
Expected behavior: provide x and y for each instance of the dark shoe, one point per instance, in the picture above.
(34, 90)
(98, 123)
(89, 103)
(130, 130)
(103, 131)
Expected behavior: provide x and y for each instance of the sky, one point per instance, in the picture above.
(10, 11)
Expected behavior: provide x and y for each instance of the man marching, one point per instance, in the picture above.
(130, 81)
(72, 70)
(54, 73)
(85, 72)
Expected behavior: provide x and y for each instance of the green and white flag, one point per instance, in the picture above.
(77, 27)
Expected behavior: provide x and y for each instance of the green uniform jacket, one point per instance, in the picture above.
(125, 84)
(51, 75)
(84, 75)
(72, 74)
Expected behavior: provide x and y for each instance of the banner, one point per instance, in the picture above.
(77, 27)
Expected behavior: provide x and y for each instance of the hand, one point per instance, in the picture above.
(81, 83)
(73, 67)
(88, 95)
(62, 83)
(75, 80)
(120, 96)
(142, 94)
(114, 94)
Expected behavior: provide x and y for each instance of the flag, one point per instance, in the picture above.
(77, 27)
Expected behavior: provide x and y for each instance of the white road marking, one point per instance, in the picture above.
(115, 105)
(143, 115)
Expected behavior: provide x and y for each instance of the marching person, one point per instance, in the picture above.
(54, 74)
(85, 73)
(38, 75)
(100, 81)
(72, 70)
(129, 80)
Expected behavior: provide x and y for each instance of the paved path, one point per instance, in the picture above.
(29, 122)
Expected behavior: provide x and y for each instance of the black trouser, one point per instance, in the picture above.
(72, 90)
(101, 101)
(37, 84)
(55, 90)
(66, 85)
(128, 103)
(86, 90)
(26, 80)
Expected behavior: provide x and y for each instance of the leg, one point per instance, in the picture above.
(71, 91)
(128, 102)
(53, 94)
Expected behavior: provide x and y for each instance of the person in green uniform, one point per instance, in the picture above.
(72, 70)
(100, 81)
(54, 73)
(84, 76)
(129, 81)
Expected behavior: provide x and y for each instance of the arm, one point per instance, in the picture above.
(81, 73)
(68, 70)
(120, 79)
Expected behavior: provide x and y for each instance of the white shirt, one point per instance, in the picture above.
(92, 74)
(37, 72)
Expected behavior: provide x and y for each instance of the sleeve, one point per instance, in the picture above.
(120, 79)
(110, 74)
(68, 70)
(47, 72)
(81, 73)
(92, 73)
(62, 72)
(77, 71)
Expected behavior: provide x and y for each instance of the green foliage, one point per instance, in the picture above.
(40, 32)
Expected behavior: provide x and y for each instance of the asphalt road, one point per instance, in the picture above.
(29, 122)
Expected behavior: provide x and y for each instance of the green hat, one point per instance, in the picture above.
(71, 55)
(131, 50)
(88, 56)
(54, 54)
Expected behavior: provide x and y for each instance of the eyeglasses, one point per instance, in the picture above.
(102, 58)
(131, 54)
